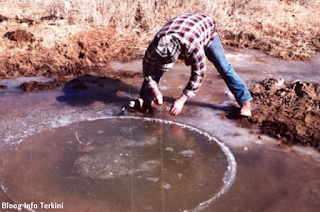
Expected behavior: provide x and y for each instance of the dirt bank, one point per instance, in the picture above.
(51, 47)
(287, 111)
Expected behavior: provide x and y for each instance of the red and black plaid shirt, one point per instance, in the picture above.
(195, 33)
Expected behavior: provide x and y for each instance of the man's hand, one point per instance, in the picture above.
(178, 104)
(158, 98)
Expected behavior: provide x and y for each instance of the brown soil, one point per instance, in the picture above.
(289, 112)
(50, 47)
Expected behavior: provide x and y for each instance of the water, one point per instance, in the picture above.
(55, 146)
(250, 63)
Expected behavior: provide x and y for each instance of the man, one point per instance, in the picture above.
(192, 37)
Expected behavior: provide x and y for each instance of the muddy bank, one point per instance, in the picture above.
(287, 111)
(51, 47)
(61, 53)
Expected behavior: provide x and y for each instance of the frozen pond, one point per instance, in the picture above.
(145, 163)
(73, 146)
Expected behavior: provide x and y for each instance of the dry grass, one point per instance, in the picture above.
(288, 29)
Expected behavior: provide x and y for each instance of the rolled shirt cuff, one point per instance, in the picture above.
(151, 82)
(189, 93)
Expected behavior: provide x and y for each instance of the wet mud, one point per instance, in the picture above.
(287, 111)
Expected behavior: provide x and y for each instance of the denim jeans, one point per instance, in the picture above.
(215, 54)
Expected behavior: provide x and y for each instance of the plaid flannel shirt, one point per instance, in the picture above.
(195, 33)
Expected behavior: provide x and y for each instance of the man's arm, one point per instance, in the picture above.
(198, 73)
(158, 98)
(148, 65)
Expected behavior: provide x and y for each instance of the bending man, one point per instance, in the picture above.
(193, 38)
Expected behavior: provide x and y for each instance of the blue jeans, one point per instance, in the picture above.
(216, 55)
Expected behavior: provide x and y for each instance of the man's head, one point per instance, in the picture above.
(167, 49)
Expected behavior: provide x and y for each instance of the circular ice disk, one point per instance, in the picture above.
(119, 164)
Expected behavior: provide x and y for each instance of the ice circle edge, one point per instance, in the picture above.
(229, 175)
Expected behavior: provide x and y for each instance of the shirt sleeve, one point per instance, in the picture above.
(148, 65)
(198, 72)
